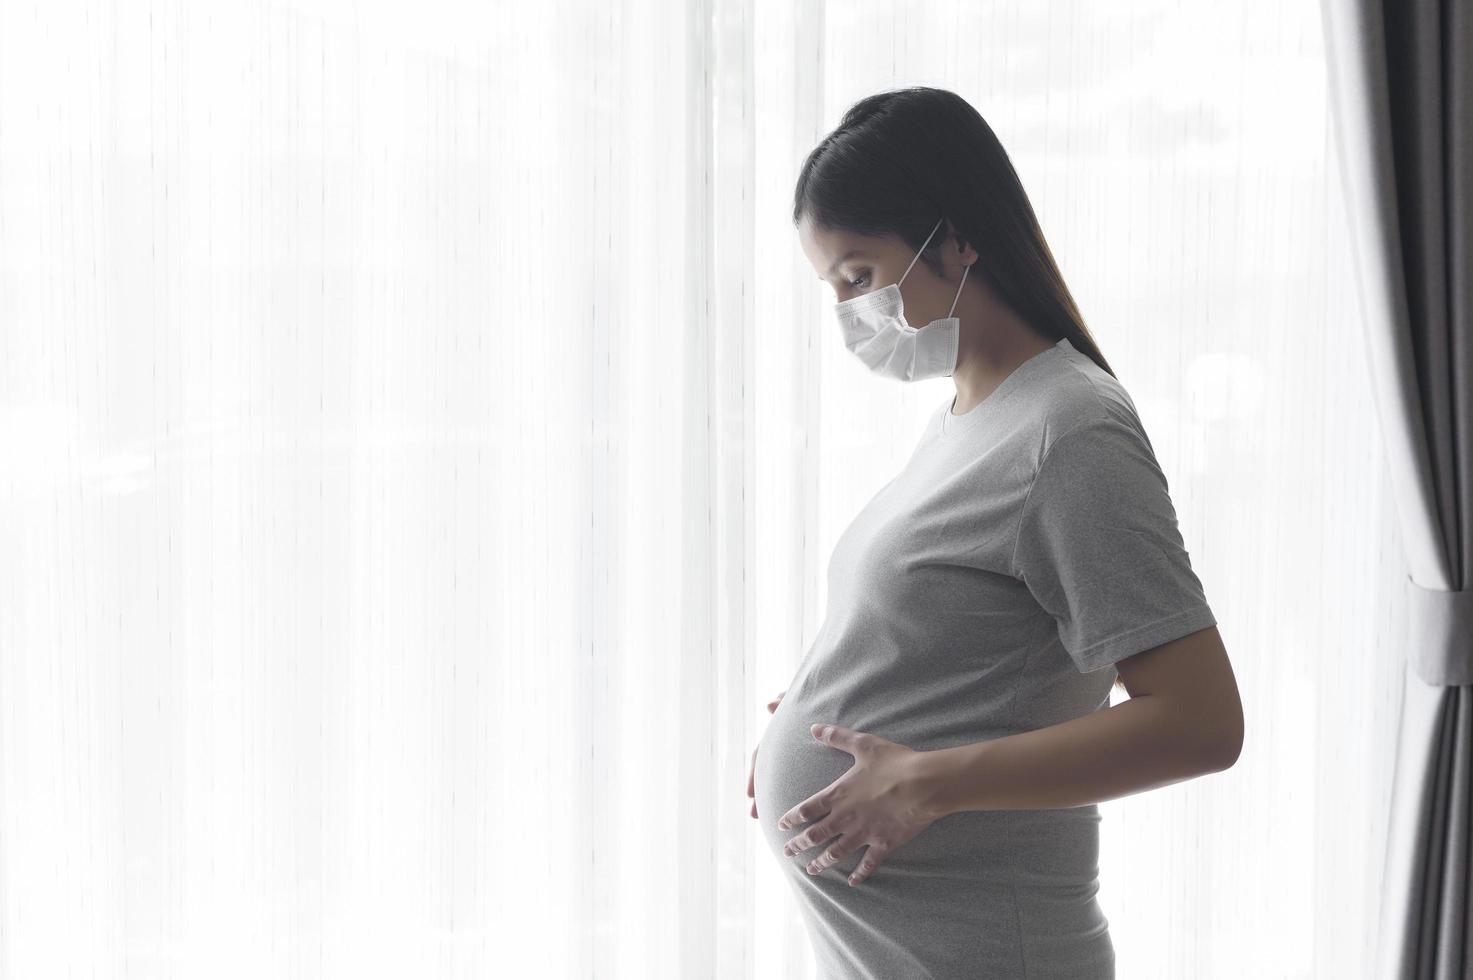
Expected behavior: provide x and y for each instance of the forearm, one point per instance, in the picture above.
(1139, 744)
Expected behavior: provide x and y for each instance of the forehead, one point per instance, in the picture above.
(828, 247)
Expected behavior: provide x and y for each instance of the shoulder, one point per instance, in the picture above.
(1081, 403)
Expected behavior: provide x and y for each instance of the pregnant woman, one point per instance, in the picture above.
(929, 778)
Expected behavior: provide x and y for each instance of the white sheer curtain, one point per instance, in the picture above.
(422, 439)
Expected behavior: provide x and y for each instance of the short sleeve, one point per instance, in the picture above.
(1099, 549)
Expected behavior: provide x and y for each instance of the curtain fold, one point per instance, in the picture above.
(1402, 94)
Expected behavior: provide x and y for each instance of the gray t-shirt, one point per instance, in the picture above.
(988, 589)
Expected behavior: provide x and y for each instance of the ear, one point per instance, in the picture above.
(964, 249)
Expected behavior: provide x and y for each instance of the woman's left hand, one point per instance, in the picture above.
(880, 803)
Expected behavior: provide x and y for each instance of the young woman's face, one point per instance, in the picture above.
(849, 263)
(857, 264)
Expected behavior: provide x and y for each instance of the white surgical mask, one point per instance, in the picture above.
(876, 332)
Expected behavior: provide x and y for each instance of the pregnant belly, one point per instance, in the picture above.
(1044, 848)
(791, 766)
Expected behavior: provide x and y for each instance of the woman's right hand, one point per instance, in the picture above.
(751, 787)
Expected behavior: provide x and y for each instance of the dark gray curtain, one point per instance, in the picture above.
(1401, 90)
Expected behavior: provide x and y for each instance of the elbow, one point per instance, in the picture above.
(1230, 746)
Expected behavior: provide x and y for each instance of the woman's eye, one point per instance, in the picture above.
(856, 282)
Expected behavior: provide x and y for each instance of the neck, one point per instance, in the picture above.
(992, 344)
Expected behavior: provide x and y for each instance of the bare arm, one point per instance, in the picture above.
(1183, 720)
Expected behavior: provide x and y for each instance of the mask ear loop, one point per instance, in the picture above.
(965, 270)
(918, 254)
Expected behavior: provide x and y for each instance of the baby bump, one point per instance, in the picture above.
(1034, 847)
(791, 766)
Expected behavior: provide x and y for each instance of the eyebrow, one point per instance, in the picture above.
(843, 258)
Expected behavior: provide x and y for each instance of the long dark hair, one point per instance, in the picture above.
(899, 160)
